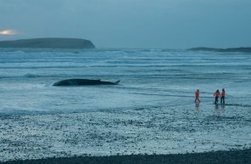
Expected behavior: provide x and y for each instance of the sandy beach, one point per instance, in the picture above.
(218, 157)
(124, 132)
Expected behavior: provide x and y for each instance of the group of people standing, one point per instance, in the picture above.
(217, 95)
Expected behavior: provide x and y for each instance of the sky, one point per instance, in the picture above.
(131, 23)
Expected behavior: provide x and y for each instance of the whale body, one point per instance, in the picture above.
(82, 82)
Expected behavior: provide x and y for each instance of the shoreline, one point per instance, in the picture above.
(231, 156)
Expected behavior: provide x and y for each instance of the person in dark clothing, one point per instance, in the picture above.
(222, 98)
(216, 95)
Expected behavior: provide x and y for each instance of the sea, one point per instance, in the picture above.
(151, 111)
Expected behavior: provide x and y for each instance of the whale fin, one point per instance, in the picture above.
(117, 82)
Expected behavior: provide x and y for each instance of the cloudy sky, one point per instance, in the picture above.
(131, 23)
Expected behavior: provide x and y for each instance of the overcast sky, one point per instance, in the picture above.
(131, 23)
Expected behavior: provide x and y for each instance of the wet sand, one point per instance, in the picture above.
(229, 157)
(124, 132)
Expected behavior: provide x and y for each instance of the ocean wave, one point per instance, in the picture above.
(29, 75)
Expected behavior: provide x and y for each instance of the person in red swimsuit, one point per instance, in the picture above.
(216, 95)
(197, 96)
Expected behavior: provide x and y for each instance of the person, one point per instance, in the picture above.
(222, 98)
(216, 95)
(197, 96)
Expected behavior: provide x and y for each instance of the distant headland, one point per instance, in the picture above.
(239, 49)
(68, 43)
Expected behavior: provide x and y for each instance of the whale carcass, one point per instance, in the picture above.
(82, 82)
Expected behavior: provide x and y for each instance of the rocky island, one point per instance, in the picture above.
(68, 43)
(239, 49)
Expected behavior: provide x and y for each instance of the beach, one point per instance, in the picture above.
(106, 133)
(151, 111)
(219, 157)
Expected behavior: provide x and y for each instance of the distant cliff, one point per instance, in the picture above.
(239, 49)
(48, 43)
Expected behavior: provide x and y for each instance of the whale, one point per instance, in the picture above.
(83, 82)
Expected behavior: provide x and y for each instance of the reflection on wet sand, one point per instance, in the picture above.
(219, 109)
(197, 107)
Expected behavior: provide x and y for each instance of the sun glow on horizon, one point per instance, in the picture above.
(8, 32)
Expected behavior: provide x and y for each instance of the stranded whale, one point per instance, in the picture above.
(81, 82)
